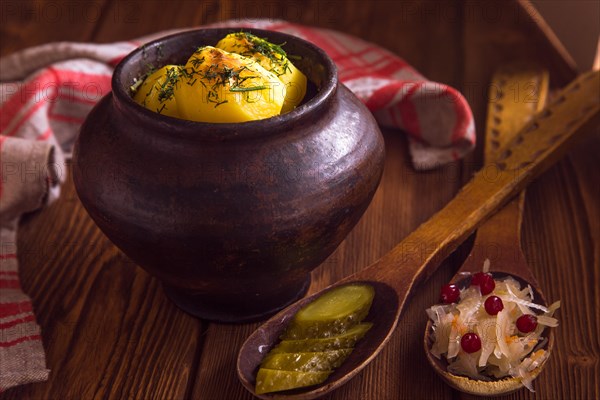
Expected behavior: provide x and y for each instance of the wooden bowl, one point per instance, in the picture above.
(230, 217)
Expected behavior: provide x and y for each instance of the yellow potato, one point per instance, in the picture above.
(157, 92)
(273, 58)
(219, 86)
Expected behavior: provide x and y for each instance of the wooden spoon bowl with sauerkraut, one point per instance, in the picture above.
(490, 342)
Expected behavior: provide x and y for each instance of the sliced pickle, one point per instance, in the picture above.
(345, 340)
(332, 313)
(306, 362)
(272, 380)
(319, 339)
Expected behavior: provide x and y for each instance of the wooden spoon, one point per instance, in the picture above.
(575, 112)
(517, 92)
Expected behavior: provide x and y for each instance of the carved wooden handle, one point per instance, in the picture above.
(574, 112)
(516, 94)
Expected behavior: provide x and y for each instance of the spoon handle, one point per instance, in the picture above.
(574, 112)
(517, 92)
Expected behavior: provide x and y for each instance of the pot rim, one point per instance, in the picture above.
(158, 123)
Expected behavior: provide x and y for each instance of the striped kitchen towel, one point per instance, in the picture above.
(46, 92)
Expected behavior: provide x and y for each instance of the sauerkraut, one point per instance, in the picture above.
(504, 350)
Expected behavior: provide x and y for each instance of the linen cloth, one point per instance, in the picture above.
(46, 92)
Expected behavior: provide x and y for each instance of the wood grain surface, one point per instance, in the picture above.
(110, 332)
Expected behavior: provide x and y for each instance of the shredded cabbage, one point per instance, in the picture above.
(504, 350)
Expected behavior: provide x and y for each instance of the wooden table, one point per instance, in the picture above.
(110, 332)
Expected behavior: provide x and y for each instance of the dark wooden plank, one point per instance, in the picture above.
(137, 18)
(33, 22)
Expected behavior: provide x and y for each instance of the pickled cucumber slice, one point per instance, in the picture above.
(332, 313)
(345, 340)
(271, 380)
(319, 338)
(306, 362)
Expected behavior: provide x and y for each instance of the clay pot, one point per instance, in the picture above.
(230, 217)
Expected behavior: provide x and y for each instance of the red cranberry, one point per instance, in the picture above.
(484, 281)
(470, 342)
(527, 323)
(493, 305)
(450, 293)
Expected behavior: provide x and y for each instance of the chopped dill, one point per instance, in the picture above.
(196, 62)
(247, 89)
(274, 52)
(213, 97)
(167, 88)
